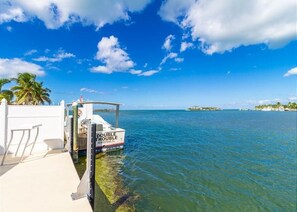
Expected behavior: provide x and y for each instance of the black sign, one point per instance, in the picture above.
(107, 136)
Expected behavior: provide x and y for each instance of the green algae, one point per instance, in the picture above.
(110, 193)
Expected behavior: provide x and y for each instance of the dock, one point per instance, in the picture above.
(41, 182)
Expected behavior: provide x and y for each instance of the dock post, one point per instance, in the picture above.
(117, 116)
(71, 136)
(86, 187)
(92, 165)
(75, 132)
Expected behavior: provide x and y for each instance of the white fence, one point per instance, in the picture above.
(51, 132)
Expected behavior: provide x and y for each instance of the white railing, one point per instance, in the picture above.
(51, 119)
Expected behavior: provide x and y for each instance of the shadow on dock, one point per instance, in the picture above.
(12, 161)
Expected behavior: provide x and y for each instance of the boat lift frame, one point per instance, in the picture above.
(72, 143)
(117, 105)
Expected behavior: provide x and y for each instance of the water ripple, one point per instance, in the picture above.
(210, 161)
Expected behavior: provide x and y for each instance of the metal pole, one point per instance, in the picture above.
(75, 132)
(117, 116)
(92, 165)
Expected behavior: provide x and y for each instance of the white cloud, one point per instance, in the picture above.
(167, 43)
(171, 55)
(44, 59)
(114, 58)
(11, 67)
(9, 28)
(64, 55)
(54, 68)
(222, 25)
(186, 35)
(61, 55)
(185, 45)
(148, 73)
(88, 90)
(143, 73)
(175, 69)
(179, 59)
(30, 52)
(101, 69)
(173, 10)
(11, 13)
(135, 71)
(291, 72)
(56, 13)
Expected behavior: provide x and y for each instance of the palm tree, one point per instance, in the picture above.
(41, 94)
(30, 92)
(6, 94)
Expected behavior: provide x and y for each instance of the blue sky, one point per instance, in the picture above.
(154, 54)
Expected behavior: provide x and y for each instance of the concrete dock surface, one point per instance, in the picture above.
(41, 182)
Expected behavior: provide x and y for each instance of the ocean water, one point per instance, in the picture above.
(201, 161)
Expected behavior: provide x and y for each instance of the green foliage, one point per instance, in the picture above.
(30, 92)
(27, 91)
(6, 94)
(292, 105)
(289, 106)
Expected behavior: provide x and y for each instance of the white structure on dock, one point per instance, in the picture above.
(45, 180)
(18, 117)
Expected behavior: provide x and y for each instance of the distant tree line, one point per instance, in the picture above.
(26, 91)
(290, 105)
(194, 108)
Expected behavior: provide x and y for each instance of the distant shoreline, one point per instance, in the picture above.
(107, 111)
(197, 108)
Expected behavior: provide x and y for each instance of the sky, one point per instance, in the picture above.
(153, 54)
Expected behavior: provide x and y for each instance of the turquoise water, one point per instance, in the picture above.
(208, 161)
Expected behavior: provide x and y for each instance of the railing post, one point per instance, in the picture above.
(91, 195)
(3, 125)
(75, 132)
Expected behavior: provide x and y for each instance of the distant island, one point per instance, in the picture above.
(291, 106)
(104, 110)
(197, 108)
